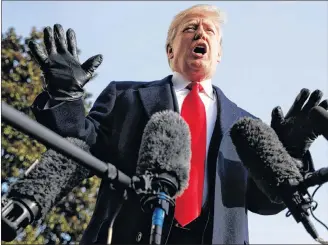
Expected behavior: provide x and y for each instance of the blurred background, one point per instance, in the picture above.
(271, 50)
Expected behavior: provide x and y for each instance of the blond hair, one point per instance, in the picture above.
(218, 16)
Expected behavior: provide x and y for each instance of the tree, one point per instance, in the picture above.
(21, 82)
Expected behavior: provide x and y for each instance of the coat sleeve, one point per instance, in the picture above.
(258, 202)
(69, 119)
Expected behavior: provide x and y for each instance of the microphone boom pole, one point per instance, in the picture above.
(61, 145)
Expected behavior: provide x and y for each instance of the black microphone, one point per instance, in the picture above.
(319, 118)
(276, 173)
(165, 150)
(31, 197)
(318, 177)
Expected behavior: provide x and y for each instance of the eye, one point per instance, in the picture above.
(211, 30)
(190, 28)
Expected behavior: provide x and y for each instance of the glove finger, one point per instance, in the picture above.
(92, 64)
(298, 103)
(71, 43)
(277, 117)
(318, 118)
(324, 104)
(313, 101)
(49, 41)
(38, 53)
(60, 38)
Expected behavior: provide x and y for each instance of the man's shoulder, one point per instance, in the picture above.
(125, 85)
(241, 112)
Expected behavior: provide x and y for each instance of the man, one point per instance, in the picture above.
(215, 213)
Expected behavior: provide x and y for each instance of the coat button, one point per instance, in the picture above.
(138, 237)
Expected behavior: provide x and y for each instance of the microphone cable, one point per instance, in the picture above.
(313, 206)
(320, 240)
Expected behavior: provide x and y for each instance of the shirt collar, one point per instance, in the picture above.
(180, 83)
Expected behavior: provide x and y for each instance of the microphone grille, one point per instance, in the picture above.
(261, 151)
(166, 147)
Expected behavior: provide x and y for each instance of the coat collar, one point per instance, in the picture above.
(158, 96)
(228, 112)
(180, 83)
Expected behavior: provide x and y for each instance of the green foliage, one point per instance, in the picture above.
(21, 82)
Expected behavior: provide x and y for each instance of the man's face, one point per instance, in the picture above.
(196, 48)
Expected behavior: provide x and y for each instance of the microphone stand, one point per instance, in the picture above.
(158, 201)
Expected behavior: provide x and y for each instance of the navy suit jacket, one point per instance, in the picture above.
(114, 128)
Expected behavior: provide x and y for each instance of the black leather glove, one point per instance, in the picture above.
(295, 130)
(64, 75)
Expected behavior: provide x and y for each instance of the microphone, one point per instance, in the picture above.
(318, 177)
(165, 150)
(157, 190)
(31, 198)
(27, 205)
(319, 118)
(276, 173)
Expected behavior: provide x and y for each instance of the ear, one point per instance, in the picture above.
(219, 57)
(220, 52)
(169, 52)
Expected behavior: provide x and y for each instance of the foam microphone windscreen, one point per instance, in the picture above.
(51, 179)
(166, 147)
(265, 157)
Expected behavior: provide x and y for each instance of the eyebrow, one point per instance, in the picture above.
(193, 22)
(196, 22)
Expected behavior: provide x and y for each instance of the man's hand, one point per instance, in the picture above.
(63, 73)
(295, 130)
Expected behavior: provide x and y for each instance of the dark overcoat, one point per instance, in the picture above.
(114, 128)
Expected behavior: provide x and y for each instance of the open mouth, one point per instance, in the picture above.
(200, 50)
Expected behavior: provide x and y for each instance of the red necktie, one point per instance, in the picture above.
(188, 206)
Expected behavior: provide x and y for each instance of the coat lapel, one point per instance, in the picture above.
(158, 96)
(228, 173)
(228, 112)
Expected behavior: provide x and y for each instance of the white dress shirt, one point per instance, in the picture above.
(208, 97)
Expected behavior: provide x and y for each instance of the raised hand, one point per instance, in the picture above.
(295, 130)
(64, 75)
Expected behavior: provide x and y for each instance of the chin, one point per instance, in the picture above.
(198, 75)
(198, 64)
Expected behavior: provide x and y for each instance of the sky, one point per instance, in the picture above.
(271, 50)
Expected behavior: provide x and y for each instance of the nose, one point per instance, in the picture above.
(199, 33)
